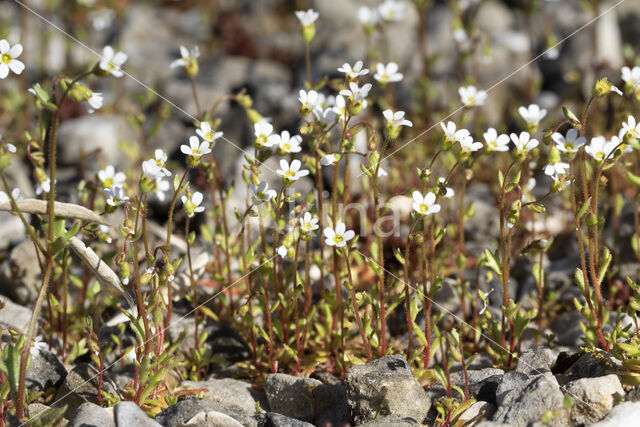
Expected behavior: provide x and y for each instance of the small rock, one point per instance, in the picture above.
(272, 419)
(223, 341)
(129, 414)
(593, 398)
(476, 412)
(594, 363)
(536, 361)
(391, 421)
(38, 412)
(20, 275)
(13, 315)
(46, 371)
(331, 405)
(211, 419)
(182, 411)
(11, 229)
(229, 391)
(80, 386)
(624, 414)
(385, 386)
(89, 414)
(291, 396)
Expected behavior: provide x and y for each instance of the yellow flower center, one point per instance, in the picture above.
(384, 77)
(306, 226)
(569, 146)
(290, 174)
(599, 155)
(209, 135)
(338, 238)
(262, 140)
(423, 208)
(6, 58)
(260, 195)
(108, 182)
(286, 146)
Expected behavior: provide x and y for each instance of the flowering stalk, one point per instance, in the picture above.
(356, 311)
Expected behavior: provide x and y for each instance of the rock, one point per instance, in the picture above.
(331, 405)
(11, 229)
(211, 419)
(13, 315)
(385, 386)
(129, 414)
(80, 386)
(182, 411)
(391, 421)
(46, 371)
(594, 363)
(291, 396)
(624, 414)
(536, 361)
(567, 329)
(20, 275)
(478, 411)
(524, 399)
(593, 398)
(222, 340)
(91, 415)
(94, 132)
(41, 413)
(228, 391)
(483, 384)
(272, 419)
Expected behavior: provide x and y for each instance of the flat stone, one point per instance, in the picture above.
(272, 419)
(624, 414)
(182, 412)
(229, 391)
(80, 386)
(594, 363)
(91, 415)
(291, 396)
(14, 315)
(593, 398)
(129, 414)
(211, 419)
(477, 412)
(536, 361)
(45, 372)
(20, 275)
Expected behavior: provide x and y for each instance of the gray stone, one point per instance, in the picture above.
(594, 363)
(331, 405)
(291, 396)
(211, 419)
(39, 412)
(624, 414)
(80, 386)
(20, 275)
(11, 229)
(385, 386)
(129, 414)
(477, 412)
(182, 411)
(13, 315)
(593, 398)
(91, 415)
(272, 419)
(391, 421)
(46, 371)
(483, 384)
(528, 399)
(536, 361)
(222, 340)
(229, 391)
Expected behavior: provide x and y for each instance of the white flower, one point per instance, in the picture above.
(307, 17)
(195, 147)
(102, 19)
(8, 59)
(555, 169)
(282, 251)
(616, 90)
(338, 237)
(617, 141)
(387, 73)
(261, 193)
(309, 100)
(450, 132)
(291, 172)
(391, 10)
(599, 148)
(15, 193)
(38, 346)
(523, 142)
(151, 170)
(109, 177)
(532, 114)
(471, 96)
(186, 57)
(94, 103)
(162, 187)
(326, 116)
(449, 191)
(192, 202)
(368, 16)
(396, 119)
(290, 144)
(425, 205)
(44, 186)
(10, 147)
(468, 146)
(570, 143)
(340, 109)
(631, 127)
(355, 93)
(460, 35)
(264, 134)
(112, 61)
(328, 160)
(160, 158)
(206, 132)
(115, 196)
(496, 142)
(308, 223)
(631, 76)
(355, 71)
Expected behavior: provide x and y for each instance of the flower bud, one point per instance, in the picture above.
(602, 87)
(253, 115)
(554, 155)
(308, 32)
(391, 132)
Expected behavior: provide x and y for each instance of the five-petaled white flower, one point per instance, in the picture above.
(8, 59)
(532, 114)
(282, 251)
(555, 169)
(425, 205)
(115, 196)
(599, 148)
(355, 71)
(631, 76)
(112, 61)
(449, 193)
(290, 144)
(496, 142)
(467, 145)
(631, 127)
(195, 147)
(261, 193)
(339, 236)
(396, 119)
(391, 10)
(110, 178)
(94, 102)
(355, 93)
(368, 17)
(328, 160)
(186, 57)
(44, 186)
(264, 134)
(340, 109)
(207, 133)
(309, 100)
(307, 17)
(524, 142)
(15, 193)
(162, 187)
(192, 202)
(38, 345)
(570, 143)
(308, 223)
(450, 132)
(291, 172)
(387, 73)
(471, 96)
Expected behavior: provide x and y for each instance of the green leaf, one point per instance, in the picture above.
(492, 262)
(584, 208)
(570, 114)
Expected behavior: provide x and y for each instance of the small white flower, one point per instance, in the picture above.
(261, 193)
(309, 100)
(112, 61)
(532, 114)
(496, 142)
(206, 132)
(44, 186)
(307, 17)
(355, 93)
(195, 147)
(471, 96)
(392, 10)
(460, 35)
(339, 236)
(382, 172)
(326, 116)
(102, 19)
(186, 57)
(9, 147)
(264, 134)
(308, 223)
(8, 59)
(468, 146)
(524, 143)
(555, 169)
(355, 71)
(192, 202)
(425, 205)
(151, 170)
(38, 346)
(94, 103)
(290, 144)
(616, 90)
(450, 132)
(328, 160)
(396, 119)
(160, 157)
(282, 251)
(15, 193)
(163, 186)
(449, 191)
(570, 143)
(109, 177)
(631, 76)
(631, 127)
(291, 172)
(368, 17)
(115, 196)
(599, 148)
(340, 109)
(618, 141)
(387, 73)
